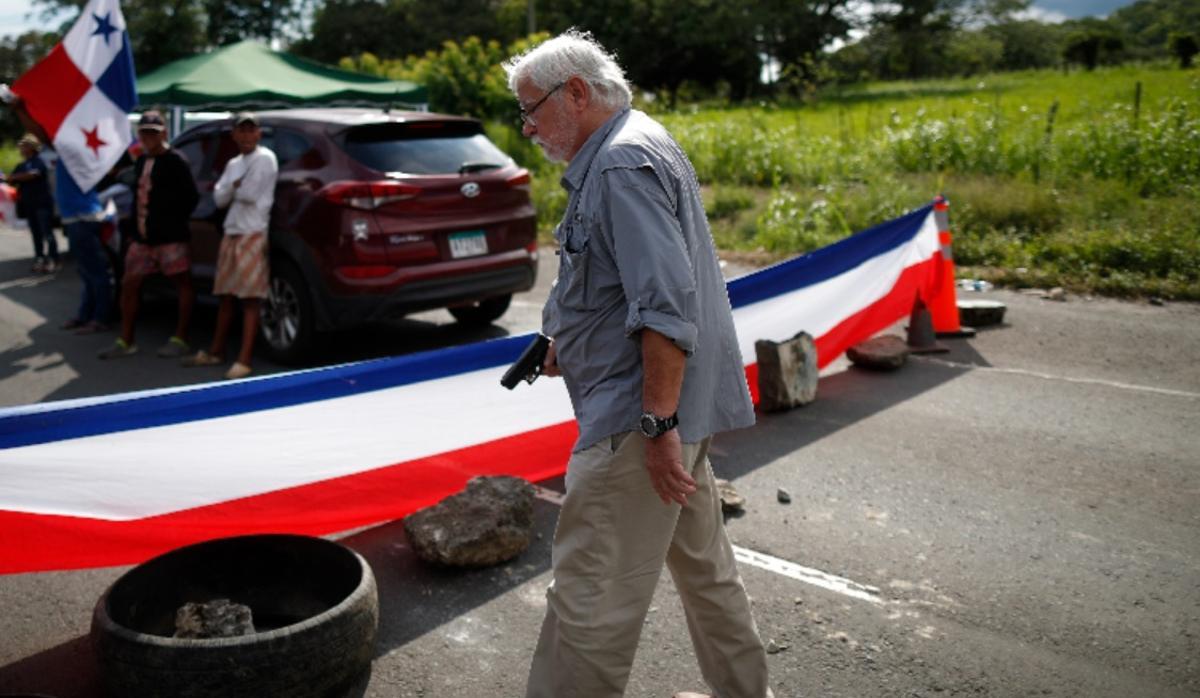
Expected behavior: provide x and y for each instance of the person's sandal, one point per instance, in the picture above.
(174, 348)
(200, 358)
(120, 349)
(72, 324)
(238, 370)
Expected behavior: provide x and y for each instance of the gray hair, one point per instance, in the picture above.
(572, 53)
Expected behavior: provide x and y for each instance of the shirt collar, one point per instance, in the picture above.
(576, 172)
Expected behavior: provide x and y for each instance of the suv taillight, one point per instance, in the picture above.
(519, 180)
(368, 195)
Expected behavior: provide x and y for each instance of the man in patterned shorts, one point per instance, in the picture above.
(162, 206)
(247, 187)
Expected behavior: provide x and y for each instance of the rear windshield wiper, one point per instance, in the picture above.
(468, 167)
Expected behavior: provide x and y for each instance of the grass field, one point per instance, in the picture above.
(1053, 178)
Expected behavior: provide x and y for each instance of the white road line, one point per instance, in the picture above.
(1051, 376)
(808, 575)
(555, 498)
(26, 281)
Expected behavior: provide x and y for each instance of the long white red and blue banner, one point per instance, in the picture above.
(118, 479)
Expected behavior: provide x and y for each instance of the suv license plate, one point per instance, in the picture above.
(468, 244)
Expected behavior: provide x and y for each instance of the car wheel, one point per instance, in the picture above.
(287, 319)
(483, 312)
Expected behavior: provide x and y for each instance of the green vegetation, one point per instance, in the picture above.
(1060, 179)
(461, 78)
(9, 157)
(1088, 179)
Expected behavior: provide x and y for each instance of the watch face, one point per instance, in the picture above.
(649, 425)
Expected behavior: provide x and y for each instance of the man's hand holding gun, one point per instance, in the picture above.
(537, 359)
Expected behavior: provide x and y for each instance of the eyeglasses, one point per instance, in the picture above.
(527, 114)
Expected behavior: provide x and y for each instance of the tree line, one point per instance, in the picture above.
(726, 47)
(677, 49)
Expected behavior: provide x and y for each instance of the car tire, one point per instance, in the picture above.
(483, 312)
(324, 655)
(287, 324)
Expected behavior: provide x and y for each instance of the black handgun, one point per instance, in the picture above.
(529, 366)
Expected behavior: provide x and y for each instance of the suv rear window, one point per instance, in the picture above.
(424, 147)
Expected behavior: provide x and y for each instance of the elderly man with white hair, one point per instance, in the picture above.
(643, 337)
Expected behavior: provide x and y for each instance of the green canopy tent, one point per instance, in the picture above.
(249, 75)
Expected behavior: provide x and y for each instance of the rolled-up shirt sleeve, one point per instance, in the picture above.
(651, 257)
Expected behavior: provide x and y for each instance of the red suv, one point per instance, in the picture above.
(377, 214)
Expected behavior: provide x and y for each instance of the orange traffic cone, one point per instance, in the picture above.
(944, 304)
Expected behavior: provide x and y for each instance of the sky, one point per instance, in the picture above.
(1059, 10)
(14, 17)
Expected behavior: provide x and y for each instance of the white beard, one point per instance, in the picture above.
(557, 149)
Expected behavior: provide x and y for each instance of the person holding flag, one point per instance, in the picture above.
(77, 99)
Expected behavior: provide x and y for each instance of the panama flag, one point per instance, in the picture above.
(82, 93)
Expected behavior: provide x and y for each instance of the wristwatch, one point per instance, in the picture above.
(654, 426)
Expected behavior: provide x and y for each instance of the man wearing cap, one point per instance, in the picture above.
(247, 187)
(163, 201)
(36, 205)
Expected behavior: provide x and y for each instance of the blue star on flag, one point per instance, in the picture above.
(103, 26)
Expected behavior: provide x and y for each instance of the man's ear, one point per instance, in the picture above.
(578, 93)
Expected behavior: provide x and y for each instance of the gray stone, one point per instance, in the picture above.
(489, 522)
(884, 353)
(1056, 294)
(211, 619)
(783, 496)
(981, 313)
(787, 372)
(731, 501)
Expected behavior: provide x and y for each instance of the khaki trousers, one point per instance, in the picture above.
(613, 537)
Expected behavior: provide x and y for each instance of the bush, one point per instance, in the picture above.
(726, 202)
(1016, 208)
(461, 78)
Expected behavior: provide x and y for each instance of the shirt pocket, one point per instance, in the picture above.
(574, 288)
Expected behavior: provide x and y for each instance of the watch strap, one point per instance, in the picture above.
(661, 424)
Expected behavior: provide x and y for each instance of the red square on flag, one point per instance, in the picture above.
(51, 88)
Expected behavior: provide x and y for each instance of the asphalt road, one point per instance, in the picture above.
(1018, 517)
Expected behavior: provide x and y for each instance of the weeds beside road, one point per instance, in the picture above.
(1078, 179)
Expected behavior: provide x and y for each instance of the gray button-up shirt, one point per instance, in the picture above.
(635, 251)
